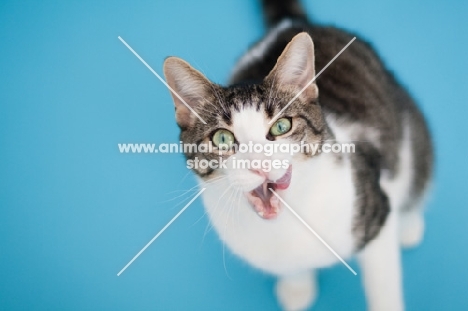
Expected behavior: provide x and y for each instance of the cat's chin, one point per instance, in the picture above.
(263, 201)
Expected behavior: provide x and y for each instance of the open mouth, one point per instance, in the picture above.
(264, 202)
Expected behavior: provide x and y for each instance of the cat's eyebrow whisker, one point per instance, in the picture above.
(214, 111)
(311, 81)
(161, 79)
(215, 107)
(221, 102)
(269, 93)
(275, 97)
(204, 110)
(206, 103)
(201, 108)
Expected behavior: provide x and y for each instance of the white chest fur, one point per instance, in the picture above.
(321, 192)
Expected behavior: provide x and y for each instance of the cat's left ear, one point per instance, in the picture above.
(190, 88)
(295, 67)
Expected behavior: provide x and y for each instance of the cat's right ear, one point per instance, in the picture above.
(189, 88)
(295, 67)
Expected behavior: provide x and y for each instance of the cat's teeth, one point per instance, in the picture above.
(274, 199)
(274, 202)
(260, 213)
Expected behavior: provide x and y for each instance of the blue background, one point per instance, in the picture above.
(74, 211)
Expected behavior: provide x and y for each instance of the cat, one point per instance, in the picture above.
(366, 204)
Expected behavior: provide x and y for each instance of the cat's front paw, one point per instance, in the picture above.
(296, 293)
(412, 230)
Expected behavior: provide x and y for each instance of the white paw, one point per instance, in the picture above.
(296, 293)
(412, 230)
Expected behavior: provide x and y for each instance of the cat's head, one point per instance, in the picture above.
(252, 114)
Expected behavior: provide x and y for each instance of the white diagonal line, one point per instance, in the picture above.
(311, 81)
(312, 230)
(161, 231)
(161, 79)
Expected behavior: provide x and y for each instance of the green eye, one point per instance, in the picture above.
(223, 137)
(280, 127)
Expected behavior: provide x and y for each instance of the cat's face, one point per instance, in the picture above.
(251, 123)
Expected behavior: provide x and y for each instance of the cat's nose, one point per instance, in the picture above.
(260, 172)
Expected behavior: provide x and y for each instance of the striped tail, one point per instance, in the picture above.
(277, 10)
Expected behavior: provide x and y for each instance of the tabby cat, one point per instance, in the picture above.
(367, 203)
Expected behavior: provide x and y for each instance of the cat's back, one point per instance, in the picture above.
(355, 86)
(355, 89)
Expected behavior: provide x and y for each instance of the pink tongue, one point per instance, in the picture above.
(265, 203)
(284, 181)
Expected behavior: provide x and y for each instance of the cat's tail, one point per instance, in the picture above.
(277, 10)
